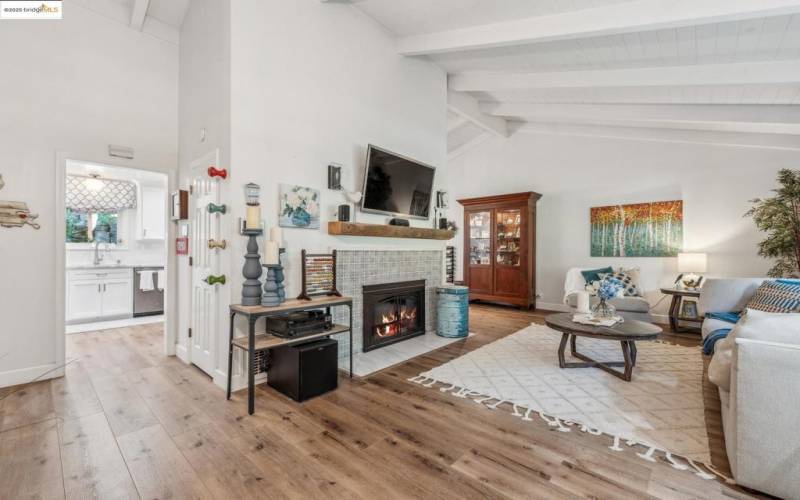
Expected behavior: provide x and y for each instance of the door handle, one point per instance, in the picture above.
(217, 209)
(104, 288)
(98, 288)
(217, 244)
(213, 280)
(218, 172)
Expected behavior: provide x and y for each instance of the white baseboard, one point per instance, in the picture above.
(552, 306)
(26, 375)
(182, 353)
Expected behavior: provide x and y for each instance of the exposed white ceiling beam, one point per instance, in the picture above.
(733, 139)
(138, 13)
(753, 113)
(769, 72)
(467, 107)
(627, 17)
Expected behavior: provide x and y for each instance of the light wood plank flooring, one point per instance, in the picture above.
(128, 422)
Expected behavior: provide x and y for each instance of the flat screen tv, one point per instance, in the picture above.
(396, 185)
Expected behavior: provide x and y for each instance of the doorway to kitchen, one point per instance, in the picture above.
(115, 221)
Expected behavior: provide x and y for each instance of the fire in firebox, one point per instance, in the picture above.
(391, 325)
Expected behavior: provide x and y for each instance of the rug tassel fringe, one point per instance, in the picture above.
(527, 416)
(447, 389)
(673, 463)
(700, 472)
(515, 410)
(616, 446)
(495, 405)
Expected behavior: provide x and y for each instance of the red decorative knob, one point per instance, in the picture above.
(214, 172)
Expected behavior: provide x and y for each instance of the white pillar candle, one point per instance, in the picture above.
(276, 235)
(271, 253)
(253, 217)
(583, 302)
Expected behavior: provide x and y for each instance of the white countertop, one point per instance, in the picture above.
(110, 266)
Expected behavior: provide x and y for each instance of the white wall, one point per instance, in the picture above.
(310, 83)
(74, 86)
(574, 173)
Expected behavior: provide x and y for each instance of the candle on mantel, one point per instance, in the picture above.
(271, 253)
(253, 217)
(276, 235)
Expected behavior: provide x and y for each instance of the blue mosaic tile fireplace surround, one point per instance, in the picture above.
(357, 268)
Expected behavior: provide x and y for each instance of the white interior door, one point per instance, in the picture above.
(205, 262)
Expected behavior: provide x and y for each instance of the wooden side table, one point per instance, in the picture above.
(265, 341)
(678, 296)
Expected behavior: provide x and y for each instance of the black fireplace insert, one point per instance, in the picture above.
(393, 312)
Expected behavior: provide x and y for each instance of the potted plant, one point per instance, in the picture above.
(779, 217)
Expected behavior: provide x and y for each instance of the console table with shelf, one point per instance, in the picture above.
(265, 341)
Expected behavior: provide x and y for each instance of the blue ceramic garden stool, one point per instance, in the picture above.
(452, 311)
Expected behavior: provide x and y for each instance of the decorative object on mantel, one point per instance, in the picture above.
(299, 207)
(335, 177)
(778, 217)
(386, 231)
(440, 210)
(638, 230)
(353, 197)
(222, 173)
(319, 275)
(16, 213)
(213, 280)
(217, 209)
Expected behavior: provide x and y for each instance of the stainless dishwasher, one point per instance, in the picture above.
(151, 302)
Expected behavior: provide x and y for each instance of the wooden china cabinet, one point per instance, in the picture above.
(500, 248)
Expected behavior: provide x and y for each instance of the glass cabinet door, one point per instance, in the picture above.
(480, 238)
(508, 223)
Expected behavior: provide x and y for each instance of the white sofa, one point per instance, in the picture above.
(757, 371)
(636, 308)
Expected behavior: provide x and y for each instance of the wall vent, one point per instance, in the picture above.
(120, 152)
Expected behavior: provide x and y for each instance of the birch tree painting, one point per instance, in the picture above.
(637, 230)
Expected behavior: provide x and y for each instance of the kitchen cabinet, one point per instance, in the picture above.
(99, 294)
(500, 248)
(152, 214)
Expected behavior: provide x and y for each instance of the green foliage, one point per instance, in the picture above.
(779, 217)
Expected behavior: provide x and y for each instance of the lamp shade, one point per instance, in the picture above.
(692, 262)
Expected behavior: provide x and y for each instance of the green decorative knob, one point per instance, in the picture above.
(213, 280)
(216, 209)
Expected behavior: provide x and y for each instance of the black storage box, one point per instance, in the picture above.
(304, 371)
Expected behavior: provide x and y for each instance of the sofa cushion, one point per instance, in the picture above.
(776, 297)
(719, 369)
(727, 294)
(628, 304)
(591, 275)
(780, 328)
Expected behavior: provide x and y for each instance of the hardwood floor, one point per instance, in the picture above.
(127, 422)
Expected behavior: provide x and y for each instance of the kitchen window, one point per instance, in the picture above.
(87, 227)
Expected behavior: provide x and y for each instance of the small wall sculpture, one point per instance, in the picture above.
(16, 213)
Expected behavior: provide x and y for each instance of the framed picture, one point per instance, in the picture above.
(299, 207)
(652, 229)
(689, 309)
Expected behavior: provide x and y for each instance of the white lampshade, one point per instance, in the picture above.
(692, 262)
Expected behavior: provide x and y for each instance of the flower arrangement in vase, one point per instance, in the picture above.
(608, 289)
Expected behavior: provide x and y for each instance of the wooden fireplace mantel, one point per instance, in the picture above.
(386, 231)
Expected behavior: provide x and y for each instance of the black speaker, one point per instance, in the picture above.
(344, 213)
(399, 222)
(304, 371)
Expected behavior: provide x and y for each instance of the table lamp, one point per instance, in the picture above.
(689, 265)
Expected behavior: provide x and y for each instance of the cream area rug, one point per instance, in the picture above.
(660, 411)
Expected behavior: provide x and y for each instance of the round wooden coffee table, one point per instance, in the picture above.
(627, 333)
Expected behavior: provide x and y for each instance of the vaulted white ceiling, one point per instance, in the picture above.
(159, 18)
(726, 66)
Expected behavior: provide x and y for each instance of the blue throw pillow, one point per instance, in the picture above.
(594, 274)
